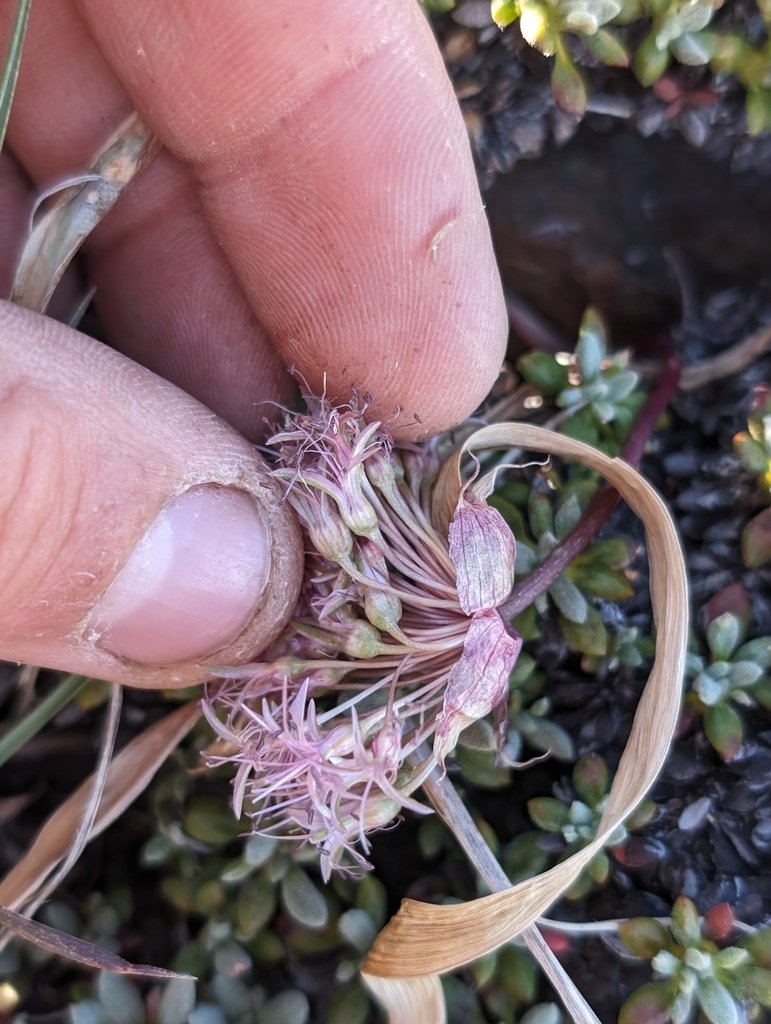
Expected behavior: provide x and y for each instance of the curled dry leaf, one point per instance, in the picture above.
(424, 940)
(410, 999)
(77, 950)
(129, 774)
(80, 205)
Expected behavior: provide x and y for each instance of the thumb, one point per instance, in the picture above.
(141, 538)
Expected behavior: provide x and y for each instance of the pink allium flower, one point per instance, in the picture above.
(395, 641)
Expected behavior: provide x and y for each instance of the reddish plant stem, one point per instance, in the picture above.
(598, 513)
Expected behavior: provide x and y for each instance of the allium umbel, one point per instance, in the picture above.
(396, 640)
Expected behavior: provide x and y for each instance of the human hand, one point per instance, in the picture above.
(315, 205)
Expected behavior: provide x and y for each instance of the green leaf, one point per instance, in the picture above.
(546, 736)
(177, 1002)
(349, 1005)
(567, 85)
(686, 926)
(758, 111)
(23, 731)
(724, 730)
(591, 779)
(539, 513)
(648, 1005)
(724, 634)
(602, 582)
(569, 599)
(607, 48)
(761, 692)
(536, 26)
(756, 540)
(759, 946)
(598, 868)
(731, 957)
(752, 455)
(120, 999)
(590, 637)
(210, 820)
(642, 815)
(716, 1001)
(694, 48)
(547, 813)
(758, 650)
(754, 983)
(523, 857)
(543, 372)
(517, 974)
(504, 12)
(371, 896)
(291, 1006)
(568, 516)
(302, 900)
(592, 344)
(650, 62)
(255, 906)
(357, 928)
(644, 937)
(542, 1013)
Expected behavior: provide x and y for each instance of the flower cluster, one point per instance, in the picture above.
(396, 640)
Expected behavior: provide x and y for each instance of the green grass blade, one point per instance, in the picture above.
(12, 63)
(32, 723)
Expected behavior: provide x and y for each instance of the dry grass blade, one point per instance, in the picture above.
(91, 808)
(412, 999)
(77, 950)
(129, 775)
(728, 363)
(425, 940)
(78, 208)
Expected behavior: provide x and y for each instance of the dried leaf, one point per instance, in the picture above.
(61, 230)
(129, 775)
(77, 950)
(424, 940)
(409, 999)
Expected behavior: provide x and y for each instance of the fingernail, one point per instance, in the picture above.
(191, 584)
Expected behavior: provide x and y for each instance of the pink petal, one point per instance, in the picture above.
(483, 550)
(479, 680)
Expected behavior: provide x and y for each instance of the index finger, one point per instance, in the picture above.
(334, 169)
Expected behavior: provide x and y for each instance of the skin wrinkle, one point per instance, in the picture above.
(235, 44)
(38, 510)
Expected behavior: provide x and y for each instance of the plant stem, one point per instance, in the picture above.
(451, 809)
(598, 513)
(85, 825)
(32, 723)
(12, 63)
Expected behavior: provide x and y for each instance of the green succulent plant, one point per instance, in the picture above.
(753, 447)
(597, 391)
(647, 35)
(576, 821)
(697, 973)
(598, 573)
(733, 673)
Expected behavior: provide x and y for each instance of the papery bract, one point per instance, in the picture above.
(483, 550)
(479, 682)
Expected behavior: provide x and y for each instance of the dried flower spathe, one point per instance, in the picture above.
(395, 640)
